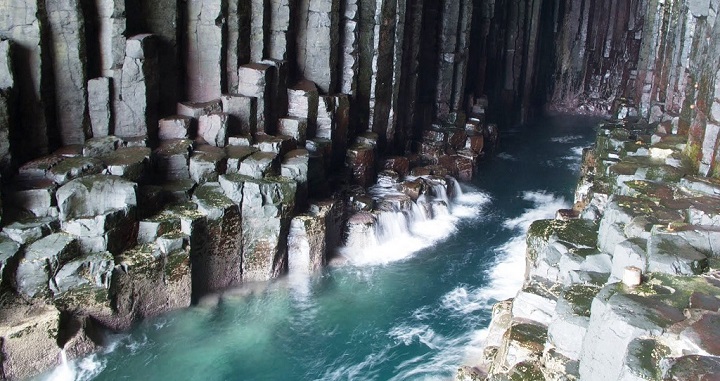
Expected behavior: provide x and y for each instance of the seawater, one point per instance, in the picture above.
(414, 307)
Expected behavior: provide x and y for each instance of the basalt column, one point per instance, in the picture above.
(19, 23)
(206, 31)
(67, 28)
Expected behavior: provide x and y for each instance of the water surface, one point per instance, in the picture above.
(417, 312)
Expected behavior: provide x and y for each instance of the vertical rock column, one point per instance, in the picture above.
(162, 19)
(7, 84)
(136, 98)
(19, 23)
(455, 27)
(67, 29)
(254, 81)
(237, 50)
(349, 42)
(259, 29)
(111, 25)
(206, 29)
(321, 49)
(280, 34)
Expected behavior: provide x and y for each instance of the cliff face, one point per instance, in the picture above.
(154, 151)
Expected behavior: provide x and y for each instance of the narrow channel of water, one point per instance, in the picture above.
(415, 307)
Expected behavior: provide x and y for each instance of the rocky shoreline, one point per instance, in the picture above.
(583, 312)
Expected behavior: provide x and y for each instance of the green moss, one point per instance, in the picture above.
(580, 298)
(644, 356)
(177, 266)
(528, 335)
(577, 233)
(526, 371)
(674, 290)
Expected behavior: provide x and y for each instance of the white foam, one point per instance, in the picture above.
(566, 139)
(505, 156)
(400, 234)
(82, 369)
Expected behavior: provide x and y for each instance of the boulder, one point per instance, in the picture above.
(279, 145)
(618, 317)
(114, 231)
(34, 198)
(95, 195)
(88, 271)
(31, 229)
(361, 161)
(8, 251)
(100, 146)
(42, 259)
(74, 167)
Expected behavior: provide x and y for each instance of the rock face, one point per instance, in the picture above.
(637, 215)
(154, 151)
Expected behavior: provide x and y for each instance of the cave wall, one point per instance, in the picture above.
(405, 65)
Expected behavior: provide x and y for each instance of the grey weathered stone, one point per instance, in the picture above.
(254, 81)
(266, 210)
(93, 270)
(296, 128)
(67, 32)
(236, 155)
(536, 301)
(131, 163)
(206, 163)
(36, 197)
(34, 73)
(42, 259)
(306, 244)
(113, 231)
(237, 48)
(617, 319)
(259, 29)
(218, 264)
(672, 254)
(147, 282)
(8, 250)
(111, 34)
(95, 195)
(100, 146)
(628, 253)
(204, 50)
(572, 316)
(178, 191)
(213, 128)
(361, 161)
(279, 145)
(296, 166)
(29, 230)
(74, 167)
(240, 140)
(259, 165)
(99, 106)
(29, 338)
(174, 127)
(197, 109)
(136, 107)
(242, 111)
(303, 103)
(172, 159)
(320, 63)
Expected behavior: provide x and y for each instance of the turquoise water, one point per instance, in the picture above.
(418, 317)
